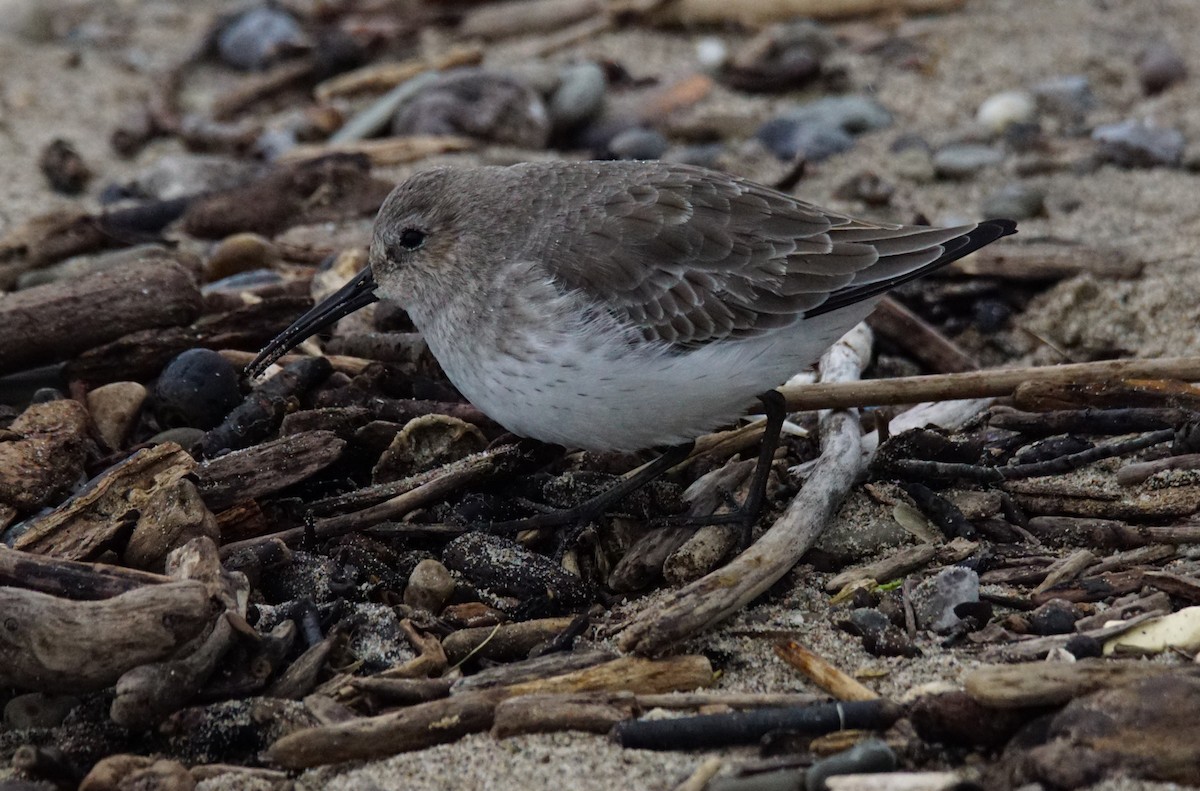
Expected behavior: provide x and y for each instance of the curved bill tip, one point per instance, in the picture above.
(357, 293)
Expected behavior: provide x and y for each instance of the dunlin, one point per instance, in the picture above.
(625, 305)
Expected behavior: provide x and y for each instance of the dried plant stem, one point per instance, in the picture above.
(980, 384)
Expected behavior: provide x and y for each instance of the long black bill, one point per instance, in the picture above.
(358, 293)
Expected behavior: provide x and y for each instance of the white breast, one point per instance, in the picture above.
(578, 382)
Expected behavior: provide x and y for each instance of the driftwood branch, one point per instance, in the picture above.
(79, 528)
(980, 384)
(70, 579)
(58, 320)
(726, 590)
(58, 645)
(440, 721)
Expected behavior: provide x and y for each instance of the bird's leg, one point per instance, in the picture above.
(747, 514)
(596, 506)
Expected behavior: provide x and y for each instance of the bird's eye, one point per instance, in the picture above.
(412, 239)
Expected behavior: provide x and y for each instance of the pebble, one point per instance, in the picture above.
(1056, 616)
(1159, 67)
(781, 58)
(935, 598)
(197, 389)
(257, 38)
(579, 96)
(711, 53)
(178, 175)
(990, 315)
(787, 138)
(959, 161)
(38, 710)
(429, 587)
(1002, 110)
(1133, 144)
(114, 408)
(1014, 202)
(241, 252)
(914, 164)
(504, 567)
(477, 103)
(1068, 97)
(869, 756)
(853, 113)
(867, 187)
(823, 127)
(62, 166)
(638, 143)
(704, 155)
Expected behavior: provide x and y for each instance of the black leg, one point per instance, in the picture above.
(775, 408)
(745, 516)
(595, 507)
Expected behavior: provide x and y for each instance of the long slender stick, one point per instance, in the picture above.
(980, 384)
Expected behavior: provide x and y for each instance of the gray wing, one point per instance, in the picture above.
(689, 256)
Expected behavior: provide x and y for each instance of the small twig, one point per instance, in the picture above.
(824, 675)
(918, 469)
(699, 778)
(1091, 421)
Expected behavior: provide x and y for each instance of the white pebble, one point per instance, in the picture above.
(1002, 110)
(711, 53)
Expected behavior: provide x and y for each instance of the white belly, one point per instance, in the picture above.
(584, 387)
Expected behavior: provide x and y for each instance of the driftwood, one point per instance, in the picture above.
(384, 152)
(901, 562)
(79, 529)
(765, 12)
(142, 355)
(426, 724)
(1047, 262)
(262, 411)
(380, 77)
(726, 590)
(200, 560)
(43, 454)
(149, 693)
(1054, 683)
(554, 664)
(173, 515)
(437, 485)
(980, 384)
(266, 468)
(58, 320)
(824, 675)
(527, 16)
(1039, 647)
(70, 579)
(1109, 533)
(910, 332)
(502, 643)
(592, 713)
(57, 645)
